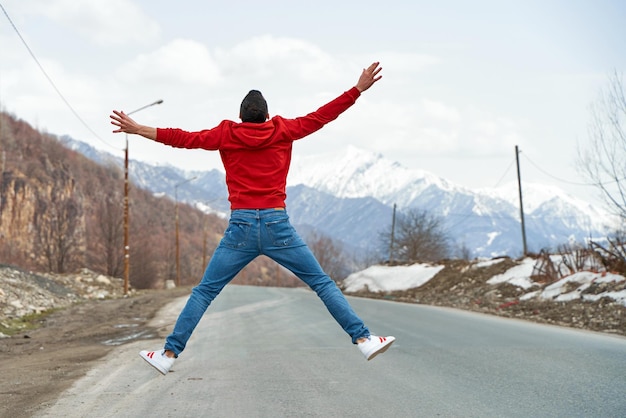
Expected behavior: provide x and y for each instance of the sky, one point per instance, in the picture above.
(395, 278)
(463, 82)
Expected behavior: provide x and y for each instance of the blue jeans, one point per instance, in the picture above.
(251, 233)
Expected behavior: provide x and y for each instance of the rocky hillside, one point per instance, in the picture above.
(61, 212)
(23, 294)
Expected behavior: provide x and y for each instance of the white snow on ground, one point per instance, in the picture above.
(518, 276)
(585, 279)
(392, 278)
(488, 263)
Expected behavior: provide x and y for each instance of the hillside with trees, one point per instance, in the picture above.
(61, 212)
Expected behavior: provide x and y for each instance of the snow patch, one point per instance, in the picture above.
(391, 278)
(395, 278)
(518, 276)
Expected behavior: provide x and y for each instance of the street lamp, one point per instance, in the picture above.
(176, 221)
(126, 201)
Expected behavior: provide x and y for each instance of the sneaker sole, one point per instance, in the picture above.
(148, 360)
(381, 350)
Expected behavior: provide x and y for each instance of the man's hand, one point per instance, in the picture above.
(124, 123)
(369, 76)
(128, 125)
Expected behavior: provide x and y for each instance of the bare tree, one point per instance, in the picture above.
(147, 261)
(604, 160)
(418, 236)
(612, 254)
(109, 230)
(329, 254)
(58, 232)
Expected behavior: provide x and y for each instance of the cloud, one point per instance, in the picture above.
(439, 111)
(181, 61)
(29, 87)
(428, 127)
(408, 63)
(106, 22)
(266, 56)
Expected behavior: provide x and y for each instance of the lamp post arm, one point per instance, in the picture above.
(143, 107)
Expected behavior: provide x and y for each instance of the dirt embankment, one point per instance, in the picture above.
(86, 319)
(460, 286)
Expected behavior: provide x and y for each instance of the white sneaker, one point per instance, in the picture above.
(375, 345)
(158, 360)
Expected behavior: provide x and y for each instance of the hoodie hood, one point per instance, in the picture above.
(256, 135)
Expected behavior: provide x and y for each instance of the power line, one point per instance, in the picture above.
(554, 177)
(574, 183)
(465, 216)
(504, 174)
(67, 103)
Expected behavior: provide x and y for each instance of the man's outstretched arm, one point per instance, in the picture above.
(305, 125)
(127, 125)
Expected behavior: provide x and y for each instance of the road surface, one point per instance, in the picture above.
(269, 352)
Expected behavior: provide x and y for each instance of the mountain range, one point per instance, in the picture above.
(349, 196)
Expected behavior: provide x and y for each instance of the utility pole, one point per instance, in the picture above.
(176, 221)
(126, 222)
(4, 159)
(521, 204)
(177, 248)
(126, 207)
(204, 238)
(393, 228)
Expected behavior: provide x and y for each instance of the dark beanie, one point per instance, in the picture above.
(253, 107)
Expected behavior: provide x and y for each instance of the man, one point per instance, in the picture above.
(256, 154)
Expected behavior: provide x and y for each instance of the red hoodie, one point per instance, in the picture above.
(256, 156)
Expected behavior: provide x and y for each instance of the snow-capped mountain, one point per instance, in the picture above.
(207, 191)
(486, 220)
(349, 196)
(358, 173)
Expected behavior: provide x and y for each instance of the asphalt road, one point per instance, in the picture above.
(267, 352)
